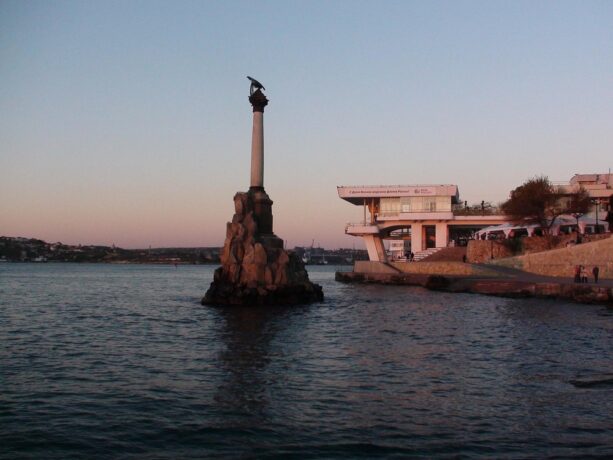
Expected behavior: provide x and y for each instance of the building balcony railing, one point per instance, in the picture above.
(415, 215)
(361, 228)
(487, 210)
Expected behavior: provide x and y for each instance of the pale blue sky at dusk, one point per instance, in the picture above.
(128, 122)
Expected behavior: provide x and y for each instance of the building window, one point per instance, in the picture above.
(443, 203)
(389, 206)
(408, 204)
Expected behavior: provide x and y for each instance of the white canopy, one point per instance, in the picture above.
(585, 221)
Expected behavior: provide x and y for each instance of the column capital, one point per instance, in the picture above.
(258, 101)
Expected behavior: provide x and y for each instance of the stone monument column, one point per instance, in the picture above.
(262, 203)
(258, 101)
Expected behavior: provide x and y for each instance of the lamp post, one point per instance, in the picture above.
(576, 215)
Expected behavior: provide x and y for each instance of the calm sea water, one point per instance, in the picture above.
(109, 361)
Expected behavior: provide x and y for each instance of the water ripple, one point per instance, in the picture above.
(103, 361)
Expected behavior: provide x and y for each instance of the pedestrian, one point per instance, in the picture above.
(595, 272)
(583, 274)
(577, 273)
(464, 258)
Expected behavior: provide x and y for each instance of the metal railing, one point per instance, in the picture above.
(461, 210)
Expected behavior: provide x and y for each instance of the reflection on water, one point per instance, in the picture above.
(247, 334)
(122, 361)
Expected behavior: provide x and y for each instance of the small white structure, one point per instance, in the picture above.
(398, 249)
(506, 230)
(586, 223)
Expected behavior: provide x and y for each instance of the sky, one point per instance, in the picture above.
(127, 122)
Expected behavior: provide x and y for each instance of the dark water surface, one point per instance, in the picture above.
(108, 361)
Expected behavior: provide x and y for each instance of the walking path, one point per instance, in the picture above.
(509, 283)
(535, 278)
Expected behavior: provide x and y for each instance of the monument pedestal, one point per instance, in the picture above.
(255, 269)
(262, 210)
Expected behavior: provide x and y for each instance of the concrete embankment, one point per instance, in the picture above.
(562, 262)
(482, 281)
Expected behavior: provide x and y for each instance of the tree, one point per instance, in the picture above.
(578, 204)
(537, 201)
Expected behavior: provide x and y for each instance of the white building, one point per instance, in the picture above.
(598, 186)
(423, 214)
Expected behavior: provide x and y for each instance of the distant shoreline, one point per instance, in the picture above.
(19, 249)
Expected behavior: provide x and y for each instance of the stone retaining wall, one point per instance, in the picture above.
(443, 268)
(479, 251)
(426, 268)
(483, 251)
(561, 262)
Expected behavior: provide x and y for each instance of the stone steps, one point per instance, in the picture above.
(452, 254)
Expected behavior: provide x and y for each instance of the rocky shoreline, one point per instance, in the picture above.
(503, 287)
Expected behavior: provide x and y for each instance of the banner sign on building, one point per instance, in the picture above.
(401, 190)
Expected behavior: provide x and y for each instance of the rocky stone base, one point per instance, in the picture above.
(255, 269)
(229, 294)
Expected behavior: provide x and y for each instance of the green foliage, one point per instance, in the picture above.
(530, 201)
(538, 201)
(579, 203)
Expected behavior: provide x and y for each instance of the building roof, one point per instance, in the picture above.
(593, 178)
(597, 185)
(356, 193)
